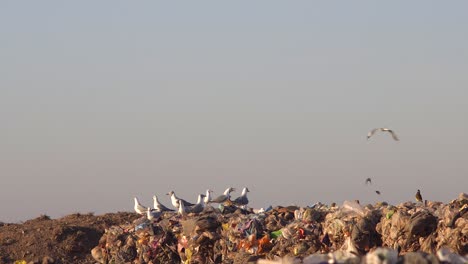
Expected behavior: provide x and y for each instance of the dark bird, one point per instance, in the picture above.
(377, 192)
(418, 196)
(242, 200)
(368, 181)
(382, 129)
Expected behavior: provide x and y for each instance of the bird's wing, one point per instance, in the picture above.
(394, 136)
(187, 203)
(372, 132)
(219, 199)
(164, 208)
(241, 200)
(238, 200)
(196, 208)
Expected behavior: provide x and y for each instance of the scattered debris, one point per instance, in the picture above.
(352, 233)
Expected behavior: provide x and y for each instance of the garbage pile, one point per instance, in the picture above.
(350, 233)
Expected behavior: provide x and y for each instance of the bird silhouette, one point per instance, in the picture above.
(377, 192)
(382, 129)
(368, 181)
(418, 196)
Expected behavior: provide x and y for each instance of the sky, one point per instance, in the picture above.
(102, 101)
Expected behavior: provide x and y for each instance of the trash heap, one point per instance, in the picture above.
(351, 233)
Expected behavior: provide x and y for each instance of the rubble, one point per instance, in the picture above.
(406, 233)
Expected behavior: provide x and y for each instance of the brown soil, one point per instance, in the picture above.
(65, 240)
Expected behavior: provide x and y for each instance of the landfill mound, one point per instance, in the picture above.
(65, 240)
(350, 233)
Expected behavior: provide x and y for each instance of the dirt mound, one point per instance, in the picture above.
(65, 240)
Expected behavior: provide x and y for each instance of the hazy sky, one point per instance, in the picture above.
(101, 101)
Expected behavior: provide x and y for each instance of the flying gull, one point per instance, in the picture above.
(382, 129)
(368, 181)
(224, 197)
(198, 208)
(175, 200)
(242, 200)
(139, 209)
(159, 206)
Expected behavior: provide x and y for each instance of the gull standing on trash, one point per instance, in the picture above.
(199, 207)
(182, 211)
(383, 129)
(242, 200)
(176, 200)
(139, 209)
(418, 196)
(152, 214)
(207, 198)
(224, 197)
(159, 206)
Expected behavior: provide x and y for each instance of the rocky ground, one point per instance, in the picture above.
(65, 240)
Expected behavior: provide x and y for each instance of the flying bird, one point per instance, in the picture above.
(377, 192)
(242, 200)
(224, 197)
(139, 209)
(418, 196)
(159, 206)
(382, 129)
(368, 181)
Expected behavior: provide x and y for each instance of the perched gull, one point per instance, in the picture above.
(198, 208)
(139, 209)
(175, 200)
(150, 214)
(159, 206)
(224, 197)
(242, 200)
(368, 181)
(208, 196)
(383, 129)
(182, 211)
